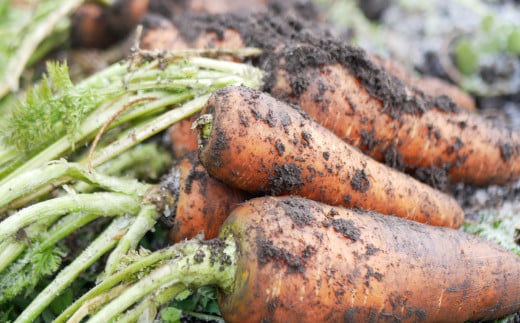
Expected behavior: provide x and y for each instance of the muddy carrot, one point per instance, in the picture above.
(183, 138)
(428, 84)
(98, 26)
(308, 262)
(290, 259)
(342, 88)
(391, 122)
(253, 142)
(201, 203)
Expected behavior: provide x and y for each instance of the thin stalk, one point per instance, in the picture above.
(96, 302)
(161, 102)
(212, 52)
(60, 230)
(205, 317)
(151, 303)
(120, 276)
(31, 41)
(96, 249)
(58, 171)
(10, 250)
(49, 211)
(143, 223)
(192, 268)
(132, 163)
(183, 84)
(252, 77)
(140, 133)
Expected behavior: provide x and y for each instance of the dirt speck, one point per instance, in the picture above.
(286, 178)
(268, 252)
(280, 148)
(360, 181)
(433, 176)
(347, 228)
(298, 212)
(506, 151)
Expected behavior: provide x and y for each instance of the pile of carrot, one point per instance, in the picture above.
(343, 131)
(369, 103)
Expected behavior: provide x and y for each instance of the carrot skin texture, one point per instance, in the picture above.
(466, 147)
(303, 261)
(470, 148)
(183, 138)
(202, 203)
(431, 85)
(262, 145)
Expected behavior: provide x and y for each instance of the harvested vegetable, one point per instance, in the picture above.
(183, 138)
(392, 122)
(344, 90)
(428, 84)
(201, 203)
(253, 142)
(293, 259)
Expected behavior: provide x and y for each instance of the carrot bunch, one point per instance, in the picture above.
(367, 102)
(340, 130)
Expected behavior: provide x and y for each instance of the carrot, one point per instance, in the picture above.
(255, 143)
(90, 27)
(183, 138)
(98, 26)
(390, 121)
(289, 259)
(339, 86)
(201, 204)
(302, 261)
(428, 84)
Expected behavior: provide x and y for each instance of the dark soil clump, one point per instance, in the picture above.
(297, 43)
(298, 212)
(266, 252)
(286, 178)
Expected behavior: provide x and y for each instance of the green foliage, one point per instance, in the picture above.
(498, 226)
(513, 41)
(23, 275)
(171, 315)
(201, 304)
(466, 57)
(50, 110)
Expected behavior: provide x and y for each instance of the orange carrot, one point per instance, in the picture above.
(97, 26)
(183, 138)
(255, 143)
(428, 84)
(201, 204)
(303, 261)
(343, 89)
(391, 122)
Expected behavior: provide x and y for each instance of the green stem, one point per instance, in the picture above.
(205, 317)
(252, 77)
(152, 302)
(31, 41)
(60, 172)
(49, 211)
(92, 304)
(194, 267)
(118, 277)
(143, 223)
(133, 163)
(95, 250)
(11, 249)
(140, 133)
